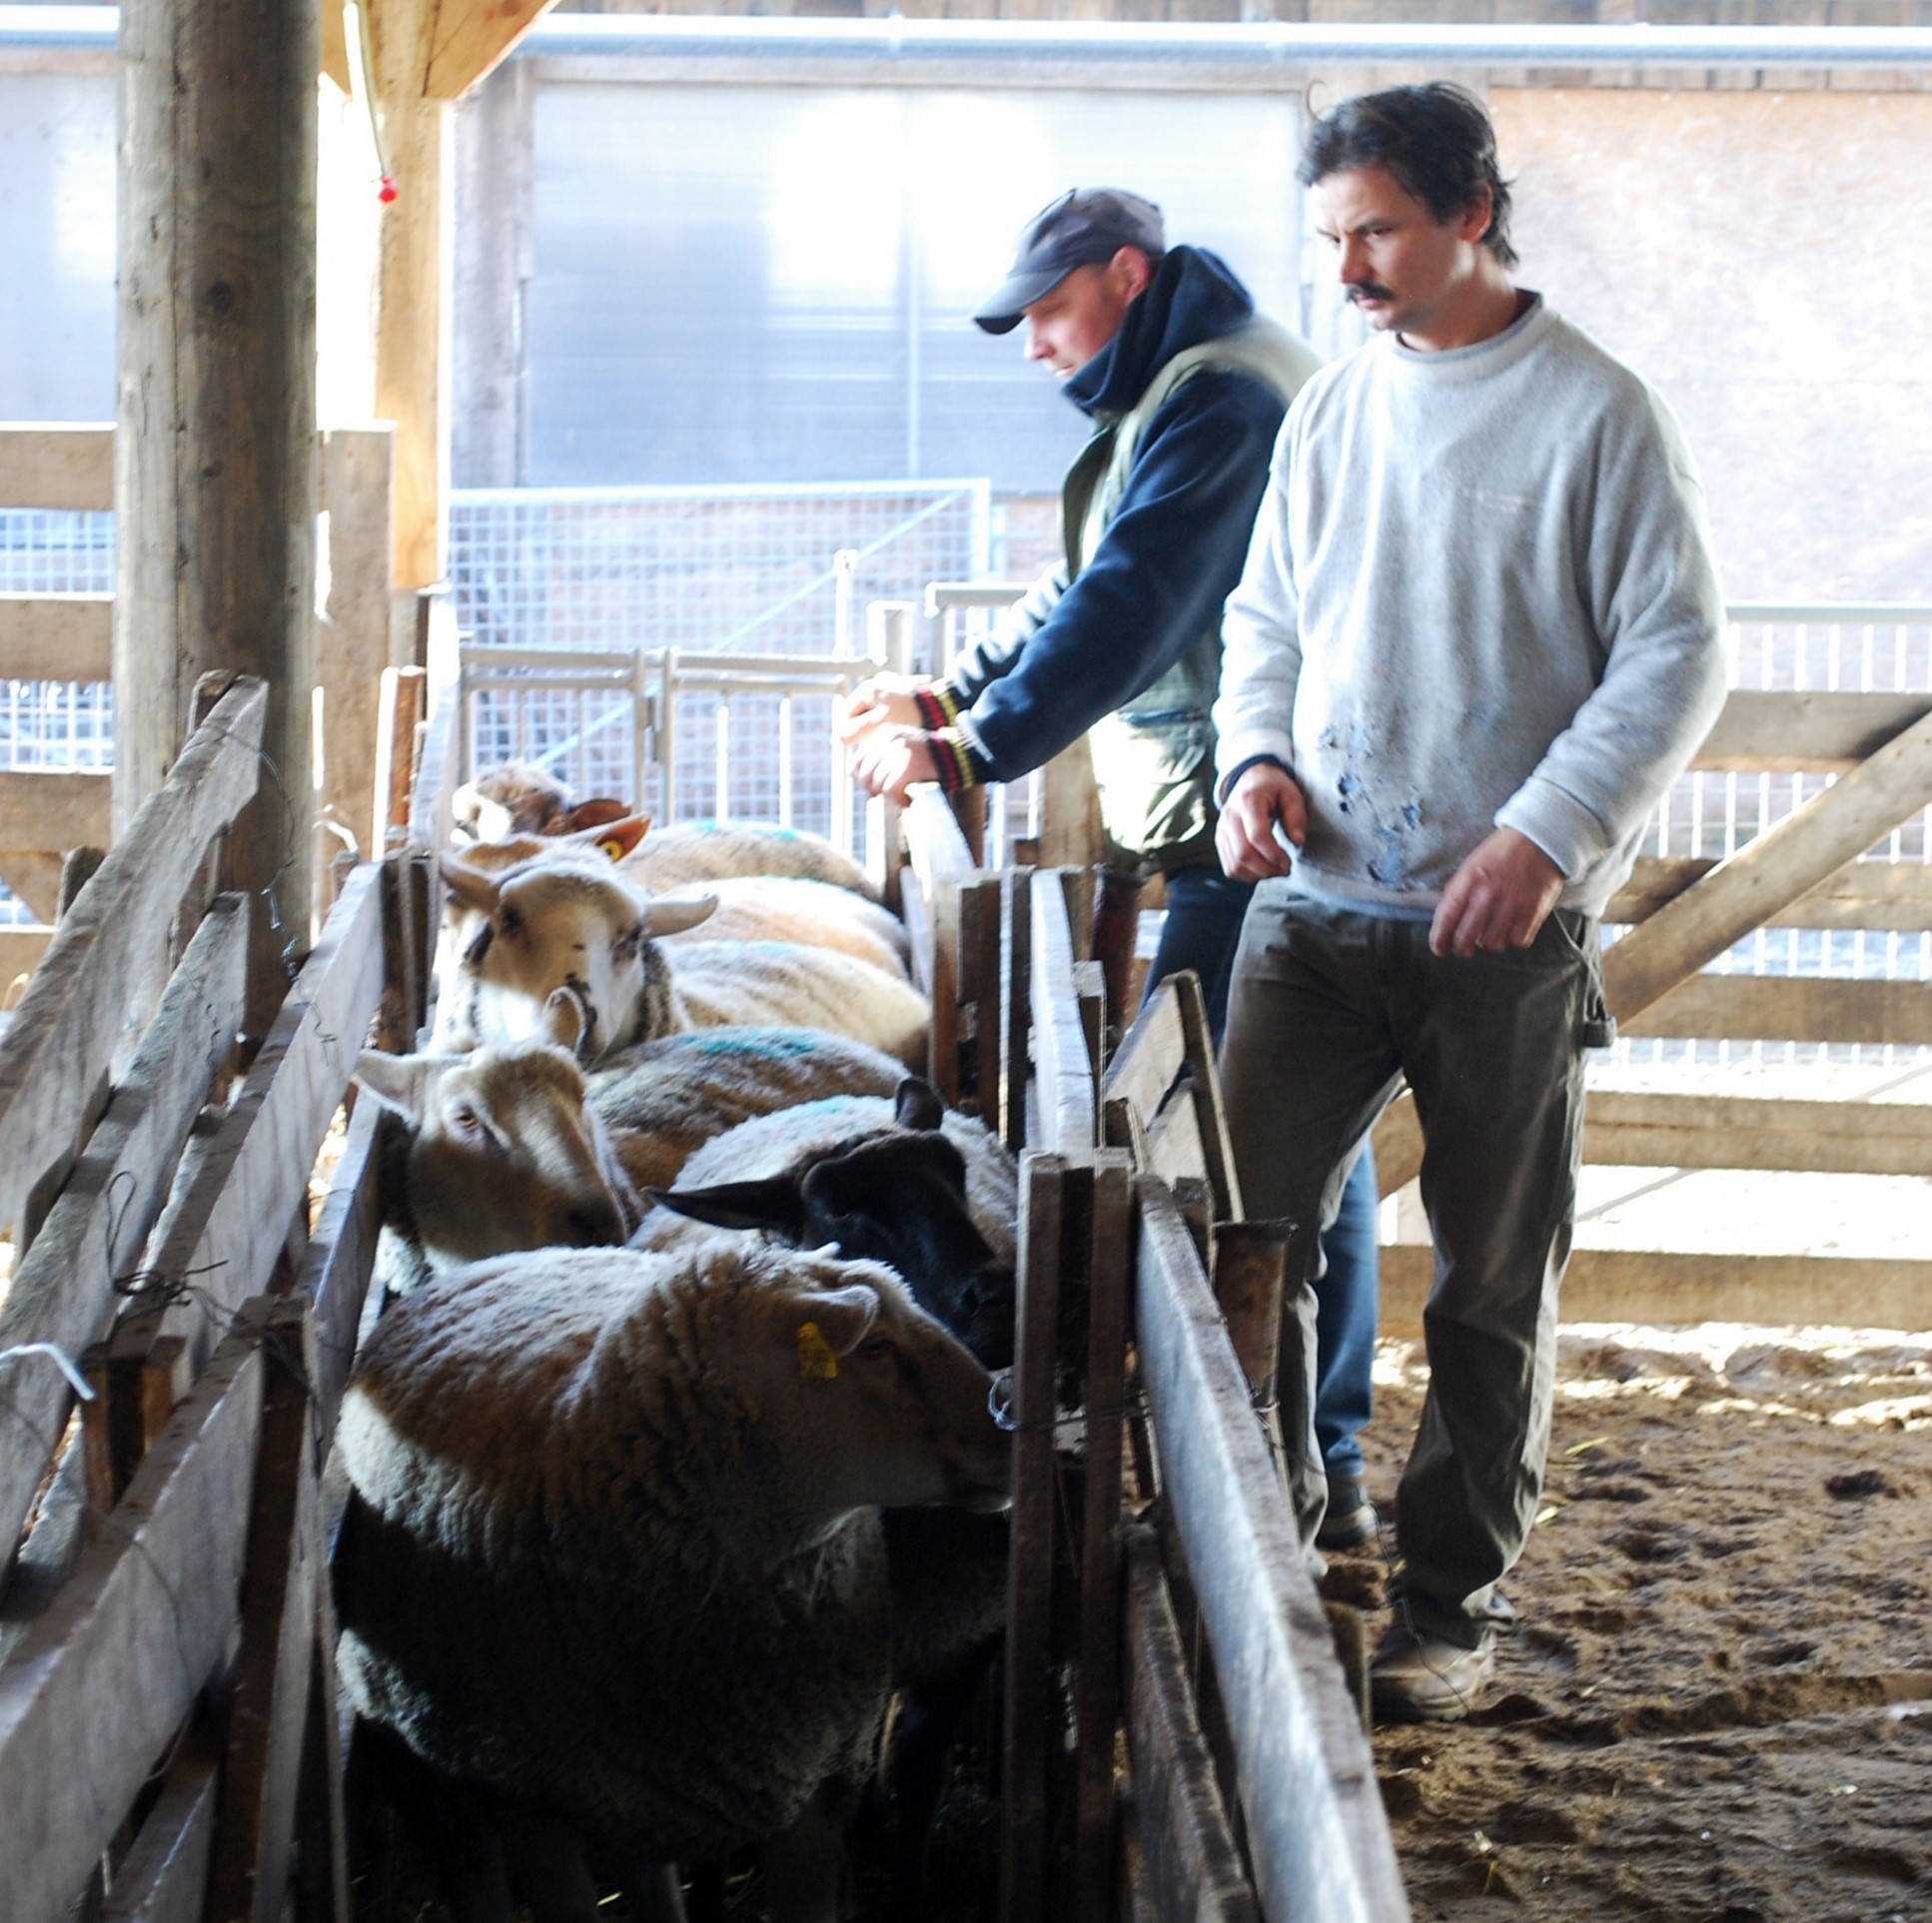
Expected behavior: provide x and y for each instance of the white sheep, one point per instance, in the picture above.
(664, 1099)
(689, 852)
(488, 1151)
(579, 925)
(612, 1558)
(815, 914)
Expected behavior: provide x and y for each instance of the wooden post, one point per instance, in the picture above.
(413, 311)
(215, 469)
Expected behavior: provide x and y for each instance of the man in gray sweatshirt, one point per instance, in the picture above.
(1478, 635)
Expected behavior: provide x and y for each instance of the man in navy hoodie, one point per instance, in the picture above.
(1186, 388)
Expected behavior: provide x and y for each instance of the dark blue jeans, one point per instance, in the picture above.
(1202, 931)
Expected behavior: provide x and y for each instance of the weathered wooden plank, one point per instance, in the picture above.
(71, 1022)
(1317, 1835)
(164, 1876)
(1150, 1056)
(1187, 1845)
(1792, 856)
(353, 636)
(942, 1036)
(67, 465)
(1662, 1130)
(1639, 1285)
(1098, 1693)
(91, 1697)
(399, 708)
(1023, 1811)
(1062, 1065)
(1211, 1115)
(339, 1260)
(1862, 894)
(1781, 731)
(1016, 922)
(1789, 1008)
(935, 843)
(471, 36)
(267, 1709)
(56, 637)
(52, 810)
(988, 1000)
(240, 1185)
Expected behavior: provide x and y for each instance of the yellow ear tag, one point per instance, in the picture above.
(613, 847)
(815, 1356)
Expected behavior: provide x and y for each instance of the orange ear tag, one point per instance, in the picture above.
(815, 1356)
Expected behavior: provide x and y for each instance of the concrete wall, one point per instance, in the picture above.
(1762, 259)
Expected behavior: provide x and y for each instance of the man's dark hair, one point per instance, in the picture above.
(1433, 140)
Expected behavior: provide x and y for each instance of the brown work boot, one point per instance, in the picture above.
(1417, 1677)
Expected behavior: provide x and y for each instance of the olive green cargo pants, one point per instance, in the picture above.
(1330, 1012)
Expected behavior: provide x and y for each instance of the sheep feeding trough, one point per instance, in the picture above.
(168, 1737)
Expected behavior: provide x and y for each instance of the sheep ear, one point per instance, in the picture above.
(396, 1081)
(615, 835)
(776, 1203)
(604, 812)
(469, 887)
(563, 1021)
(916, 1105)
(844, 1317)
(673, 917)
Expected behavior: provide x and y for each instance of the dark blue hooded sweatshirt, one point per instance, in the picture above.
(1175, 547)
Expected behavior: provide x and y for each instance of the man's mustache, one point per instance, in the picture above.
(1370, 291)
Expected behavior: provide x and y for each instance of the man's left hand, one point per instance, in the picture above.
(1497, 898)
(889, 760)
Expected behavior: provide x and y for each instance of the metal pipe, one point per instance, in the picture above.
(1124, 46)
(1266, 44)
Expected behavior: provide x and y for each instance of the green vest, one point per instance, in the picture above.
(1154, 760)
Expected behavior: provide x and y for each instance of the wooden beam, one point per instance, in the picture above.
(1063, 1066)
(215, 485)
(335, 45)
(1656, 1131)
(341, 1257)
(413, 311)
(70, 1025)
(1790, 1008)
(1774, 731)
(64, 464)
(56, 637)
(103, 1681)
(1187, 1843)
(1635, 1284)
(1070, 832)
(1792, 856)
(62, 1289)
(1316, 1833)
(164, 1876)
(471, 36)
(353, 635)
(1028, 1694)
(241, 1185)
(1861, 894)
(49, 812)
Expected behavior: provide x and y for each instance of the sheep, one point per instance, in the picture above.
(700, 851)
(577, 926)
(930, 1193)
(488, 1152)
(612, 1562)
(664, 1099)
(814, 914)
(520, 797)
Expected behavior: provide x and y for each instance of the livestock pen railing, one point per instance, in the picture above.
(167, 1710)
(1198, 1633)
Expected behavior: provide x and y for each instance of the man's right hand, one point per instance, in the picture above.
(884, 700)
(1245, 838)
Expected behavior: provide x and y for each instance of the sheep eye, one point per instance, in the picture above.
(466, 1121)
(873, 1348)
(511, 920)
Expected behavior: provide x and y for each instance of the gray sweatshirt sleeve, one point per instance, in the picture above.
(1260, 642)
(1653, 596)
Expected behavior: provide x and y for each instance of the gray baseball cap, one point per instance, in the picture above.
(1085, 227)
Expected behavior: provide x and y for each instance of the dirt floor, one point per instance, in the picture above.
(1717, 1706)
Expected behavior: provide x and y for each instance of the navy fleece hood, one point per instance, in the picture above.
(1192, 297)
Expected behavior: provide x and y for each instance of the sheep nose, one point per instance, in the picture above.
(594, 1225)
